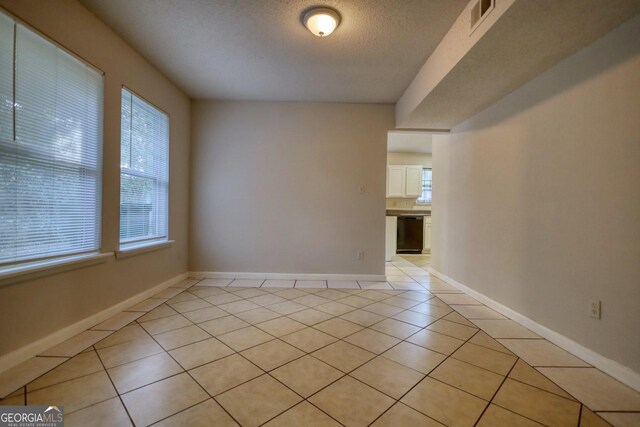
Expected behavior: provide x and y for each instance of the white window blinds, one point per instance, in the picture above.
(50, 148)
(144, 171)
(425, 197)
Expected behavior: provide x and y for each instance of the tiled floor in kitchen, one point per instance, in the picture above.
(413, 351)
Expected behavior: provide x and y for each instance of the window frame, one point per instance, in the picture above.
(42, 264)
(134, 246)
(419, 200)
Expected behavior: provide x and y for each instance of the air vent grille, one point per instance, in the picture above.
(479, 11)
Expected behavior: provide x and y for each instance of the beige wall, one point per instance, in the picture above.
(422, 159)
(537, 198)
(276, 187)
(35, 309)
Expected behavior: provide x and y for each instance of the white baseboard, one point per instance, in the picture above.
(618, 371)
(26, 352)
(286, 276)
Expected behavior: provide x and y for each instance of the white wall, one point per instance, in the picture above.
(276, 187)
(537, 198)
(34, 309)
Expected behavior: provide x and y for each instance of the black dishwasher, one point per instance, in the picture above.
(410, 234)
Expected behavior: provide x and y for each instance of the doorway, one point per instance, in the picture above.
(409, 185)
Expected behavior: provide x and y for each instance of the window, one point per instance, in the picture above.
(144, 171)
(425, 198)
(50, 149)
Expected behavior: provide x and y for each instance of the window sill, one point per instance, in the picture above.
(134, 249)
(33, 270)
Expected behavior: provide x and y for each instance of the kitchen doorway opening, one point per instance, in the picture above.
(409, 190)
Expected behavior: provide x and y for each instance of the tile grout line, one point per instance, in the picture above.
(61, 382)
(185, 410)
(507, 377)
(318, 390)
(580, 414)
(304, 399)
(57, 357)
(314, 327)
(114, 388)
(93, 346)
(519, 414)
(504, 379)
(385, 317)
(305, 353)
(195, 381)
(535, 367)
(416, 384)
(541, 389)
(344, 374)
(72, 357)
(264, 372)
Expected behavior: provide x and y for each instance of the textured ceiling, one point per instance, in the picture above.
(527, 39)
(259, 50)
(409, 142)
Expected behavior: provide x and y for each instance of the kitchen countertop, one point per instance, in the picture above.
(414, 212)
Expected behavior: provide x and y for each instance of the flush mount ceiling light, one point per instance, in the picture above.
(321, 21)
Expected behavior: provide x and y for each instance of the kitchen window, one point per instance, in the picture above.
(425, 198)
(51, 109)
(144, 172)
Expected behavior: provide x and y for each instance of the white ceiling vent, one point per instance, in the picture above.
(479, 11)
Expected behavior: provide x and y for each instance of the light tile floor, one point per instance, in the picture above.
(413, 351)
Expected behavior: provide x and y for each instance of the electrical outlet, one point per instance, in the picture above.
(594, 309)
(360, 255)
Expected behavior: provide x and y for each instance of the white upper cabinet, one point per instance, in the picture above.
(404, 181)
(413, 186)
(396, 176)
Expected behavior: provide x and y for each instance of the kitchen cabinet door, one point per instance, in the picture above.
(413, 186)
(395, 181)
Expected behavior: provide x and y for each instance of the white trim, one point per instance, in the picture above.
(129, 250)
(22, 354)
(33, 270)
(286, 276)
(618, 371)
